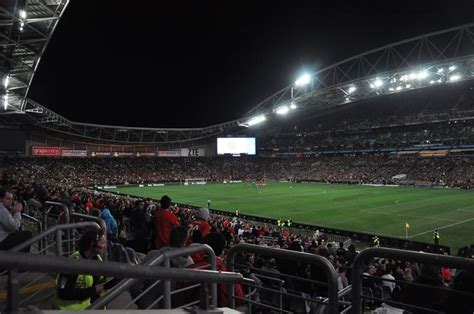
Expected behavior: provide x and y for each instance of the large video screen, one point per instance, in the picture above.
(236, 145)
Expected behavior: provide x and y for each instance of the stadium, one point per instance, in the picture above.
(348, 191)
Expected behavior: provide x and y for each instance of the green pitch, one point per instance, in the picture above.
(377, 210)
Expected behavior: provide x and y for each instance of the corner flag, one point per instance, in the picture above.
(407, 225)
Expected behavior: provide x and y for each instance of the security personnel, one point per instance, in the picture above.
(77, 292)
(289, 222)
(237, 212)
(279, 222)
(376, 241)
(436, 237)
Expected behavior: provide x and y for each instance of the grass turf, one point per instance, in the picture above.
(375, 210)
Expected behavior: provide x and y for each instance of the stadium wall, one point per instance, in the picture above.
(51, 145)
(12, 141)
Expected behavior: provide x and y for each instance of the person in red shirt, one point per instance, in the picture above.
(164, 222)
(217, 242)
(199, 224)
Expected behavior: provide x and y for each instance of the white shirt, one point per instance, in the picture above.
(8, 223)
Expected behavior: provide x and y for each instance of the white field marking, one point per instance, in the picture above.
(373, 210)
(408, 215)
(443, 227)
(463, 209)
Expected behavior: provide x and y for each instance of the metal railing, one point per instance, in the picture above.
(51, 247)
(51, 211)
(17, 262)
(84, 217)
(156, 258)
(291, 256)
(433, 259)
(34, 225)
(57, 230)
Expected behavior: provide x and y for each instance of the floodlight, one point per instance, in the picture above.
(22, 14)
(293, 106)
(391, 89)
(440, 70)
(412, 76)
(454, 77)
(303, 80)
(452, 68)
(431, 82)
(6, 80)
(5, 101)
(408, 85)
(399, 88)
(378, 83)
(352, 89)
(423, 74)
(282, 110)
(256, 120)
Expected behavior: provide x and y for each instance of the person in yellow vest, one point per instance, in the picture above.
(289, 222)
(237, 212)
(376, 241)
(436, 237)
(77, 292)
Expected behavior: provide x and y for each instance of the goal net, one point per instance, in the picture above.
(194, 181)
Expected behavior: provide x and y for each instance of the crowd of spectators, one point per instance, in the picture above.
(451, 170)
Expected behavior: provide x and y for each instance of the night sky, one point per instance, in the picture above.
(197, 63)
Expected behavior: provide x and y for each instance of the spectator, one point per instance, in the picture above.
(10, 222)
(111, 224)
(77, 292)
(164, 222)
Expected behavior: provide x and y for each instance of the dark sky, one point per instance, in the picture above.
(197, 63)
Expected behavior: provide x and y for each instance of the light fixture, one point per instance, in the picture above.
(303, 80)
(256, 120)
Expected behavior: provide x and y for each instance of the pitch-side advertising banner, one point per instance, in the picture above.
(192, 152)
(169, 153)
(74, 153)
(46, 151)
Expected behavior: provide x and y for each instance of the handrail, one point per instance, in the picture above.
(85, 224)
(15, 262)
(157, 257)
(98, 220)
(64, 208)
(422, 257)
(33, 219)
(289, 255)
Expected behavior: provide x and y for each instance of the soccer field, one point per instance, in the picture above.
(376, 210)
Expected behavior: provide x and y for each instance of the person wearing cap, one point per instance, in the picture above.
(165, 220)
(200, 225)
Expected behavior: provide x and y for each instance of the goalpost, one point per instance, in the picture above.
(194, 181)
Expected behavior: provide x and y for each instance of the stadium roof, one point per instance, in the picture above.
(26, 26)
